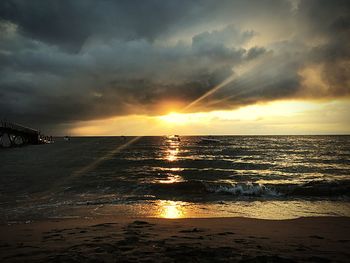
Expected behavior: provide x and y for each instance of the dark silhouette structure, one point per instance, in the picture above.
(13, 134)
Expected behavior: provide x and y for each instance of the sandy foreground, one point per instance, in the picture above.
(316, 239)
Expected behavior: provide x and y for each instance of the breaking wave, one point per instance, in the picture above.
(246, 189)
(202, 188)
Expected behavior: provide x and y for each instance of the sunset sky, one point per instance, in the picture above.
(159, 67)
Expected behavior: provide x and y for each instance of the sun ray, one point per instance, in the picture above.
(106, 157)
(210, 92)
(177, 118)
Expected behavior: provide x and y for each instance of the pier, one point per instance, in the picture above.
(14, 135)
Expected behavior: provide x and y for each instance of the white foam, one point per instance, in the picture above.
(247, 189)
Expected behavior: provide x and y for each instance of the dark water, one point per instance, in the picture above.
(256, 176)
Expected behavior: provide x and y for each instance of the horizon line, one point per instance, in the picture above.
(196, 135)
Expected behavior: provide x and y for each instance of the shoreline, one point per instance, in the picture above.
(227, 239)
(260, 209)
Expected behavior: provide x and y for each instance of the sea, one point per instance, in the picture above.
(270, 177)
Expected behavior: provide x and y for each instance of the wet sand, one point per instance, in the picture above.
(110, 239)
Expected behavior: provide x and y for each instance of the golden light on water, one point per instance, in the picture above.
(172, 150)
(171, 179)
(172, 154)
(170, 209)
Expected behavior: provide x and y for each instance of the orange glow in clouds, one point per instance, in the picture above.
(280, 117)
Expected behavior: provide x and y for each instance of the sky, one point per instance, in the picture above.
(156, 67)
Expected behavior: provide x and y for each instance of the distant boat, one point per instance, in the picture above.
(66, 138)
(174, 138)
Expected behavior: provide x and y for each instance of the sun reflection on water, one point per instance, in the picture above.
(171, 179)
(172, 154)
(170, 209)
(172, 151)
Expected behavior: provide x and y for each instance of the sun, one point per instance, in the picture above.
(175, 118)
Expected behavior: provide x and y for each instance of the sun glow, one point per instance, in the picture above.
(279, 117)
(170, 209)
(176, 118)
(251, 112)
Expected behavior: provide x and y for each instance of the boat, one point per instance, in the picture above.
(174, 138)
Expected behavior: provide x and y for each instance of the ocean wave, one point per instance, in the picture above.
(317, 189)
(243, 189)
(249, 189)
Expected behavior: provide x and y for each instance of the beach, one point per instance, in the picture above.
(110, 239)
(174, 131)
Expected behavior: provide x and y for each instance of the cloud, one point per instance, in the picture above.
(67, 61)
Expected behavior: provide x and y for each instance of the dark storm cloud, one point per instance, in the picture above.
(70, 23)
(330, 20)
(63, 61)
